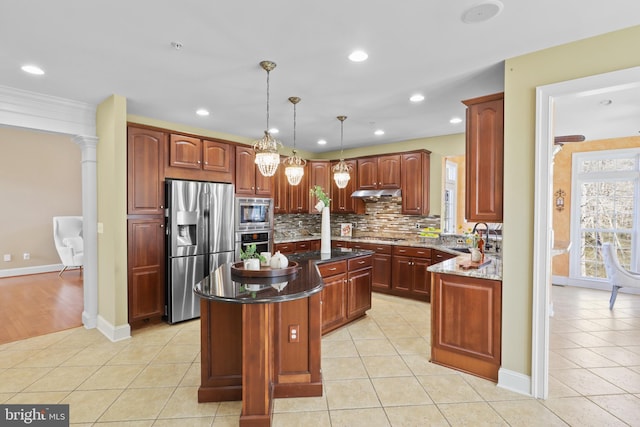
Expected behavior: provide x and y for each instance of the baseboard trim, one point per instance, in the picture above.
(113, 333)
(25, 271)
(514, 381)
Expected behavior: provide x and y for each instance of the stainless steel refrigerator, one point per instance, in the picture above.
(200, 238)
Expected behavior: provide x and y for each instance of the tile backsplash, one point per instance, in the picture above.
(382, 218)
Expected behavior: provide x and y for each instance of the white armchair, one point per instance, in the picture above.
(67, 235)
(618, 276)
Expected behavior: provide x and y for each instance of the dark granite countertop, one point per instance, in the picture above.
(224, 286)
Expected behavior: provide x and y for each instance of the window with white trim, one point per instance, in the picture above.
(605, 207)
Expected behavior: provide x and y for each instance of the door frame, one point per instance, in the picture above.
(543, 233)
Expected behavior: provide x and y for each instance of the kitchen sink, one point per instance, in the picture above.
(460, 249)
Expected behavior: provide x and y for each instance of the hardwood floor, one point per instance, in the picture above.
(39, 304)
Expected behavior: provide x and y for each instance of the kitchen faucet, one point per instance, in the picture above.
(487, 243)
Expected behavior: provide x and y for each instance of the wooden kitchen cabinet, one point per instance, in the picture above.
(381, 265)
(415, 170)
(334, 295)
(438, 256)
(280, 192)
(410, 277)
(199, 159)
(145, 174)
(319, 174)
(466, 316)
(379, 172)
(248, 179)
(146, 261)
(341, 200)
(484, 158)
(358, 286)
(297, 247)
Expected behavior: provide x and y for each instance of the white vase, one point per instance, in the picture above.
(325, 232)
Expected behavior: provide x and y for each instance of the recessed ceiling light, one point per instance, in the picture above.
(358, 56)
(455, 120)
(33, 69)
(417, 98)
(322, 142)
(482, 12)
(202, 112)
(606, 102)
(379, 132)
(274, 130)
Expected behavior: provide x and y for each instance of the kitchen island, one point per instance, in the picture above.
(261, 337)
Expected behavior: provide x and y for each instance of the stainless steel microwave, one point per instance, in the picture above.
(253, 213)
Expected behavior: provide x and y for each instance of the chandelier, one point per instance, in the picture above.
(341, 169)
(294, 165)
(266, 148)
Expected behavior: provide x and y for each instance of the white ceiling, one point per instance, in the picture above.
(93, 49)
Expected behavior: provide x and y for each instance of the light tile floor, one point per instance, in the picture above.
(376, 373)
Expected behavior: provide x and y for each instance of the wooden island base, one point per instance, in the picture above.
(257, 352)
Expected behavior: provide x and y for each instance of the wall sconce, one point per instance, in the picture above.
(560, 200)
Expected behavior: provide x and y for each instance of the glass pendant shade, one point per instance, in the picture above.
(266, 149)
(341, 171)
(341, 174)
(267, 157)
(294, 165)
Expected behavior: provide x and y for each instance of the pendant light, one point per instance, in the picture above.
(294, 165)
(266, 148)
(341, 169)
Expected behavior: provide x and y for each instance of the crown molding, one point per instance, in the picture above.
(47, 113)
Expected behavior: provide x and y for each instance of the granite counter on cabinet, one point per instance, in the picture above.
(491, 271)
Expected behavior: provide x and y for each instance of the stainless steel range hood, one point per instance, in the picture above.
(373, 195)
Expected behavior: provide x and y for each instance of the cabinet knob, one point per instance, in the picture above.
(253, 188)
(198, 161)
(161, 207)
(333, 269)
(257, 188)
(161, 225)
(360, 262)
(206, 163)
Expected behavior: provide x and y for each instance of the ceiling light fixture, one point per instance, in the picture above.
(416, 98)
(455, 120)
(266, 148)
(341, 170)
(358, 56)
(33, 69)
(294, 165)
(202, 112)
(482, 12)
(379, 132)
(322, 142)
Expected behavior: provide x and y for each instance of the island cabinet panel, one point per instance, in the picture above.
(334, 295)
(298, 341)
(221, 370)
(248, 179)
(145, 173)
(190, 157)
(484, 158)
(466, 324)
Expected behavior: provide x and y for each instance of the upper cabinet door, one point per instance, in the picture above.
(389, 171)
(185, 152)
(484, 158)
(145, 173)
(245, 171)
(216, 156)
(319, 174)
(368, 173)
(415, 182)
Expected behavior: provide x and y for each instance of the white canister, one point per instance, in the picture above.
(476, 255)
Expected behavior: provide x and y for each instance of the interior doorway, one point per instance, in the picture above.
(543, 227)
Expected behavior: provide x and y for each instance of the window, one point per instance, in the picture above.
(450, 197)
(605, 208)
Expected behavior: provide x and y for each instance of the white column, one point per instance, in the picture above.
(88, 146)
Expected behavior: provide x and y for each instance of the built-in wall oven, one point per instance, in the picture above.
(253, 224)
